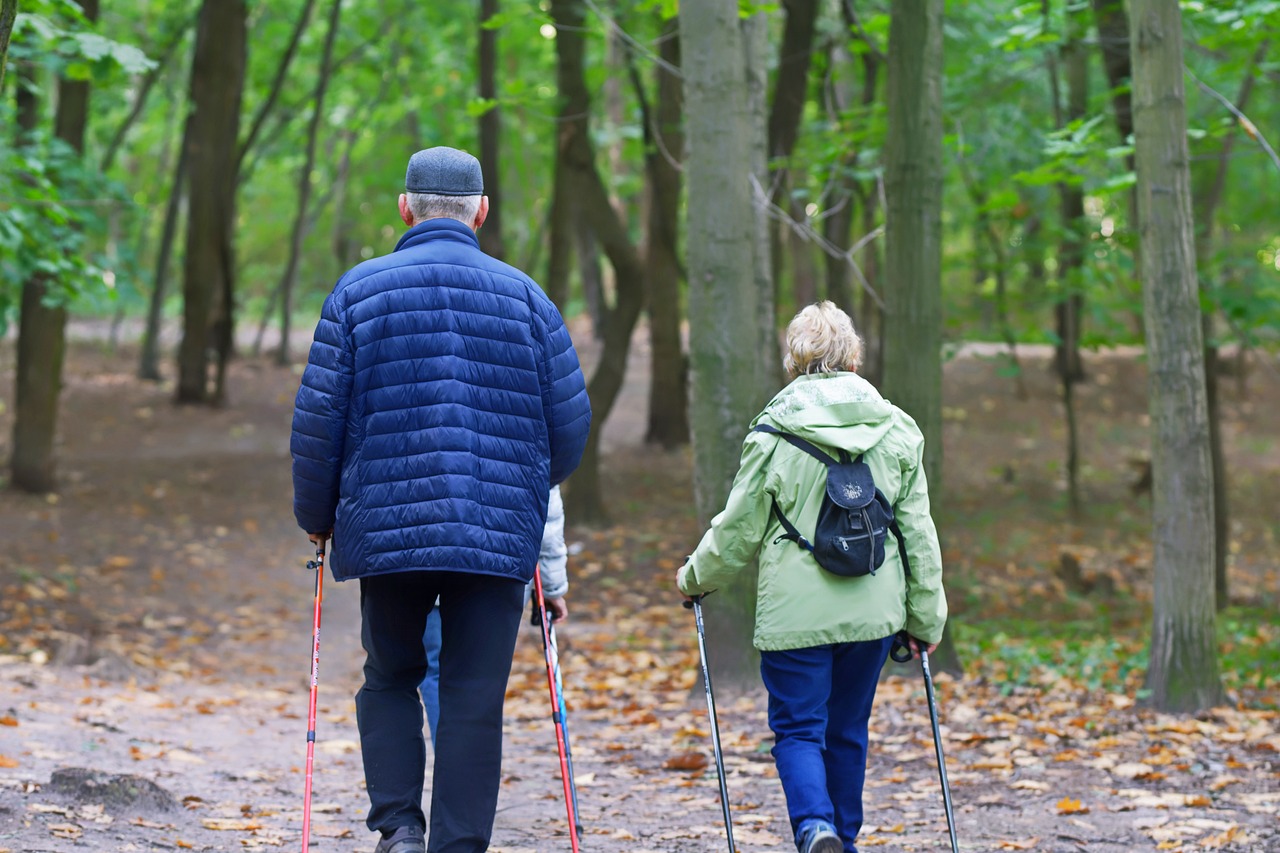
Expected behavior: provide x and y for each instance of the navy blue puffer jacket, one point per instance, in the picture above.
(441, 401)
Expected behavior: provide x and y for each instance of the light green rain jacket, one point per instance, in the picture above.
(800, 604)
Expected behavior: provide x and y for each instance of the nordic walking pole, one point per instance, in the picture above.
(901, 652)
(558, 715)
(695, 604)
(318, 565)
(564, 724)
(937, 745)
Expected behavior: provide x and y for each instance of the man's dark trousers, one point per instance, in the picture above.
(480, 619)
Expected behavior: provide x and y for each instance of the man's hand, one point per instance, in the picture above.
(320, 538)
(557, 609)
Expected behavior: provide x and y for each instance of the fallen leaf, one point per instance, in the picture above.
(1069, 806)
(689, 761)
(7, 762)
(1028, 844)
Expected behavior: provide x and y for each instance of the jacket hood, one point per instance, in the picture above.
(833, 409)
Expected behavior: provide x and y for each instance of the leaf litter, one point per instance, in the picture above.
(152, 622)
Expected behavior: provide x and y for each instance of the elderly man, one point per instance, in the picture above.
(441, 401)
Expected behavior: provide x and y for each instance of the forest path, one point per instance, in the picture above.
(155, 621)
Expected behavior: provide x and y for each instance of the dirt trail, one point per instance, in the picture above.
(155, 622)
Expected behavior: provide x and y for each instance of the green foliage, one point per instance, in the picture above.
(1109, 653)
(47, 199)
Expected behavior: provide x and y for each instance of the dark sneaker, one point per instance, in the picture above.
(405, 839)
(820, 837)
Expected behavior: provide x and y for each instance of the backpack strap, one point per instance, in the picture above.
(792, 533)
(902, 548)
(800, 443)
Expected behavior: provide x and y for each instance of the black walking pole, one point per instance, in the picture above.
(901, 652)
(695, 604)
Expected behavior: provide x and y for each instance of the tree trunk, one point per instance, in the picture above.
(1183, 676)
(584, 500)
(149, 361)
(730, 377)
(669, 373)
(1113, 38)
(913, 233)
(490, 130)
(790, 93)
(913, 223)
(217, 80)
(42, 328)
(1206, 207)
(1070, 307)
(301, 221)
(755, 57)
(8, 13)
(277, 85)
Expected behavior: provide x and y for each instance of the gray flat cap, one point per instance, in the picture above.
(444, 171)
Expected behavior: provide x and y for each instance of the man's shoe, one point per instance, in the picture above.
(406, 839)
(820, 837)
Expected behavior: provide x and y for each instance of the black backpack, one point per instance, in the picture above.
(853, 520)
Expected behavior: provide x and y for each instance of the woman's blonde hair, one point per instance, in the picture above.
(821, 339)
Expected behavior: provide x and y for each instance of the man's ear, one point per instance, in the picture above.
(482, 214)
(405, 213)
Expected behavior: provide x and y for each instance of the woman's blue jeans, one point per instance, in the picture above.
(819, 705)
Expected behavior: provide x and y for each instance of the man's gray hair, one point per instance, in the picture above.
(431, 206)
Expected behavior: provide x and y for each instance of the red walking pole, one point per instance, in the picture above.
(558, 711)
(318, 565)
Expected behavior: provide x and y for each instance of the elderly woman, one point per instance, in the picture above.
(823, 638)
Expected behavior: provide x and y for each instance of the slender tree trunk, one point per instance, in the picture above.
(1206, 207)
(41, 327)
(1113, 38)
(1070, 307)
(913, 233)
(149, 361)
(217, 80)
(1184, 675)
(731, 376)
(144, 92)
(300, 222)
(584, 500)
(490, 130)
(8, 13)
(790, 93)
(277, 85)
(669, 374)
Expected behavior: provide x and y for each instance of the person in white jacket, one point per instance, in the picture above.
(552, 566)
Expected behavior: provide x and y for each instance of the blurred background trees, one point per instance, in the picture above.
(946, 176)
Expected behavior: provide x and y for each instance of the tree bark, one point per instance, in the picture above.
(42, 328)
(913, 233)
(913, 222)
(301, 221)
(669, 374)
(1070, 308)
(1183, 675)
(8, 13)
(490, 130)
(217, 81)
(584, 500)
(730, 377)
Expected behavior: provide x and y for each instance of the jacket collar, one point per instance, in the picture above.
(437, 229)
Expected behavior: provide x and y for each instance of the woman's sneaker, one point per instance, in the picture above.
(819, 837)
(405, 839)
